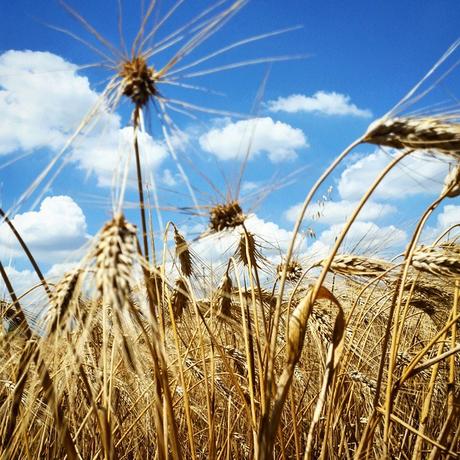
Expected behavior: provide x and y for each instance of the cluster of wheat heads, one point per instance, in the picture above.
(143, 355)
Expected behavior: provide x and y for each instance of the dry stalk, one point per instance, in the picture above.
(296, 336)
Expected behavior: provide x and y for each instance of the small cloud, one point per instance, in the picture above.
(168, 178)
(230, 141)
(249, 186)
(321, 102)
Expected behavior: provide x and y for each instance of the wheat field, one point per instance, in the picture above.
(146, 351)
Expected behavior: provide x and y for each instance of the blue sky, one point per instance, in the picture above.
(360, 59)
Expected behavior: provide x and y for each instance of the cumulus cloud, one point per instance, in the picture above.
(53, 232)
(43, 99)
(230, 141)
(105, 155)
(332, 212)
(322, 102)
(418, 173)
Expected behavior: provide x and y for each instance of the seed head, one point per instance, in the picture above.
(226, 216)
(138, 81)
(430, 133)
(293, 271)
(183, 254)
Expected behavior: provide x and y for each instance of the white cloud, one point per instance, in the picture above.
(327, 103)
(364, 237)
(52, 233)
(105, 154)
(42, 102)
(417, 173)
(21, 280)
(168, 178)
(274, 239)
(231, 141)
(333, 212)
(449, 216)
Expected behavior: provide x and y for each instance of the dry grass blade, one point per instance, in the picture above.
(296, 336)
(443, 259)
(429, 133)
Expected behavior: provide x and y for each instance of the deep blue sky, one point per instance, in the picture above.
(371, 51)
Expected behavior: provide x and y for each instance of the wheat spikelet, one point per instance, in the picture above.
(61, 298)
(239, 360)
(293, 271)
(115, 254)
(452, 182)
(138, 80)
(430, 133)
(443, 259)
(248, 251)
(226, 216)
(224, 292)
(179, 298)
(367, 382)
(321, 320)
(183, 254)
(349, 264)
